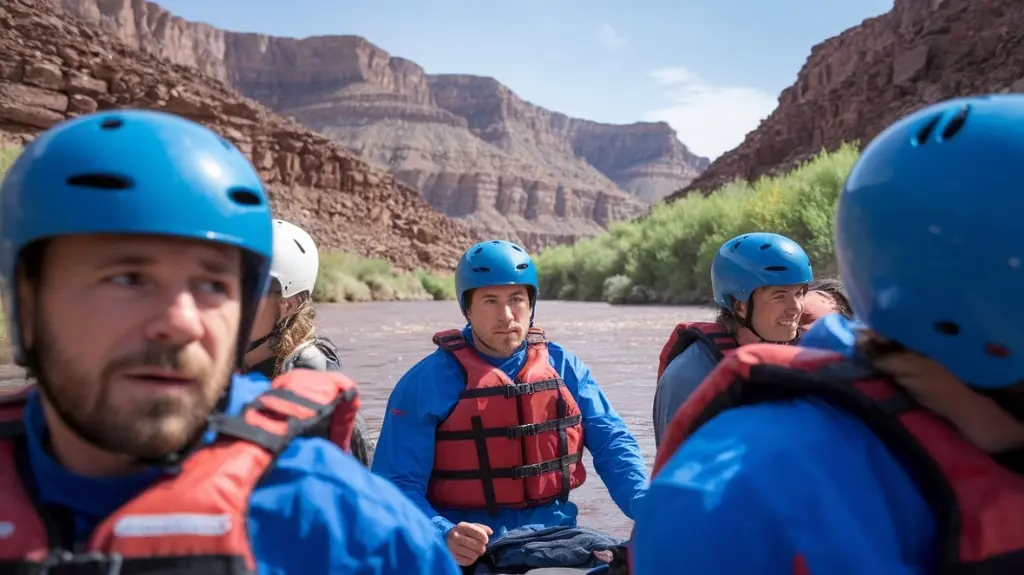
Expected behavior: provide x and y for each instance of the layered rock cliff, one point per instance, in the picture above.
(53, 67)
(855, 84)
(471, 147)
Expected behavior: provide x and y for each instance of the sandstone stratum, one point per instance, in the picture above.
(53, 67)
(857, 83)
(468, 144)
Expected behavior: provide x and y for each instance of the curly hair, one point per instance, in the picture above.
(295, 331)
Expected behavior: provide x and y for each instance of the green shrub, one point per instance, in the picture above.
(666, 257)
(346, 277)
(7, 157)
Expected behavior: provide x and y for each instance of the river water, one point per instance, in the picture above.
(380, 341)
(620, 344)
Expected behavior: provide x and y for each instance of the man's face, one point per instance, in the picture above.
(135, 337)
(777, 311)
(269, 311)
(500, 318)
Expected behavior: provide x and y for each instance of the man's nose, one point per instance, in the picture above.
(177, 321)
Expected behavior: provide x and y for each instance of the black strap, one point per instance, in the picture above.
(521, 472)
(712, 341)
(563, 446)
(484, 459)
(512, 391)
(511, 432)
(11, 429)
(237, 426)
(63, 563)
(450, 342)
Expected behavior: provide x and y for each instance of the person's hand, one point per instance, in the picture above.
(979, 418)
(468, 541)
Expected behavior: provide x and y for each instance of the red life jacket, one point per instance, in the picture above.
(507, 444)
(978, 503)
(191, 522)
(713, 336)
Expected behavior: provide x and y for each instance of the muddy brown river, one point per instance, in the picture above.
(379, 341)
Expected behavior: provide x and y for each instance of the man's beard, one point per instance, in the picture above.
(151, 429)
(503, 345)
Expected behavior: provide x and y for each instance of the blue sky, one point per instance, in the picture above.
(712, 69)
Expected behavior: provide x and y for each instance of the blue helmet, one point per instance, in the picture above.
(928, 236)
(750, 261)
(134, 172)
(494, 263)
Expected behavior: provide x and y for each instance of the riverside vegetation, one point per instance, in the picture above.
(666, 256)
(347, 277)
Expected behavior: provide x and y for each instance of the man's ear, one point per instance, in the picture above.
(739, 309)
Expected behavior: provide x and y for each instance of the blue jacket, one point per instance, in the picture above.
(681, 376)
(317, 511)
(428, 392)
(758, 487)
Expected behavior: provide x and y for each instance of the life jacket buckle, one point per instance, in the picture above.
(515, 390)
(101, 564)
(520, 431)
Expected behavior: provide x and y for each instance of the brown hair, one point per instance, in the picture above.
(834, 288)
(298, 330)
(729, 321)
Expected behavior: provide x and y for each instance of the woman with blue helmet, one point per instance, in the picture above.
(899, 449)
(434, 440)
(759, 281)
(135, 247)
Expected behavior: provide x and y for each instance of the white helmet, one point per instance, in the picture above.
(296, 260)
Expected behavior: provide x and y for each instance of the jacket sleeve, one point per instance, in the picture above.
(321, 512)
(680, 378)
(616, 453)
(405, 447)
(769, 495)
(362, 443)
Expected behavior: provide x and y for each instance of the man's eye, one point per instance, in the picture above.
(214, 286)
(126, 279)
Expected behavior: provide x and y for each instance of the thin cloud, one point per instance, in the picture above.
(610, 38)
(710, 119)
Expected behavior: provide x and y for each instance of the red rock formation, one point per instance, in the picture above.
(855, 84)
(470, 145)
(53, 67)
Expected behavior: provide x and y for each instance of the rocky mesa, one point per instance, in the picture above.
(53, 67)
(855, 84)
(472, 147)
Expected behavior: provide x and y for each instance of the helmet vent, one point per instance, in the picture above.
(298, 245)
(766, 246)
(101, 182)
(951, 129)
(956, 123)
(111, 124)
(947, 328)
(244, 197)
(775, 268)
(522, 266)
(481, 269)
(926, 131)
